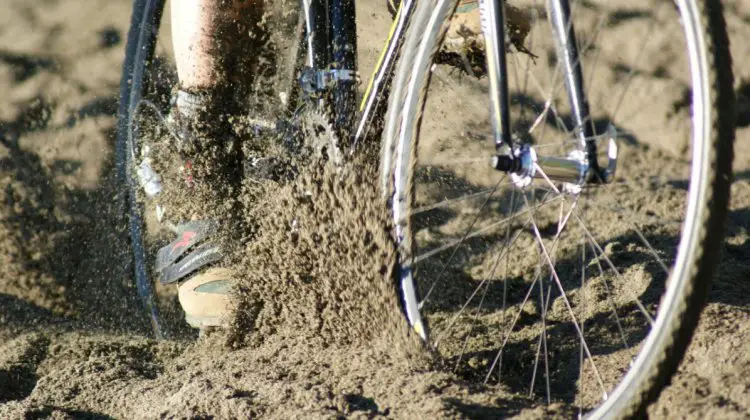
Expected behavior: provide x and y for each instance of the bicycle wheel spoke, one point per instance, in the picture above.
(556, 83)
(609, 262)
(438, 337)
(589, 85)
(610, 299)
(455, 244)
(544, 341)
(449, 201)
(611, 203)
(510, 329)
(474, 234)
(467, 161)
(549, 99)
(600, 253)
(562, 221)
(541, 343)
(646, 242)
(542, 116)
(583, 329)
(505, 283)
(466, 340)
(568, 306)
(527, 70)
(546, 178)
(629, 78)
(650, 247)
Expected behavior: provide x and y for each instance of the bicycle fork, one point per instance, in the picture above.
(521, 160)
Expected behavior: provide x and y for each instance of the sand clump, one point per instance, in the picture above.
(318, 330)
(321, 266)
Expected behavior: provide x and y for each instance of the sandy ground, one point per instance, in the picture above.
(73, 340)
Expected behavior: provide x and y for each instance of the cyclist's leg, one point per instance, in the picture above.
(213, 45)
(213, 42)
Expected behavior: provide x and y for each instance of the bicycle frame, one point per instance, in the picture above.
(331, 43)
(331, 39)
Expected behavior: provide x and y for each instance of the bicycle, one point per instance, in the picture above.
(526, 192)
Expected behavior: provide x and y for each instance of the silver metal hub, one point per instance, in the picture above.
(524, 165)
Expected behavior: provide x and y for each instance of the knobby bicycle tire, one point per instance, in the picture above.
(139, 51)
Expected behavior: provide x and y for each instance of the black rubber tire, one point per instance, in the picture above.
(704, 21)
(139, 51)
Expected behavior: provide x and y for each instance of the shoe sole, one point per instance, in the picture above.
(205, 298)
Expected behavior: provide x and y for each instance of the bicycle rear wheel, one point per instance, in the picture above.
(575, 293)
(149, 73)
(139, 53)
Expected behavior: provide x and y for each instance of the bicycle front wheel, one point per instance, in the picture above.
(577, 293)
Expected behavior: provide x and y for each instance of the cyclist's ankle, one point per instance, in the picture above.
(201, 119)
(202, 115)
(206, 103)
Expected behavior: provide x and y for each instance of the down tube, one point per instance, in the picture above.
(374, 100)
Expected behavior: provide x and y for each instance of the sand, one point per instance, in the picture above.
(327, 338)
